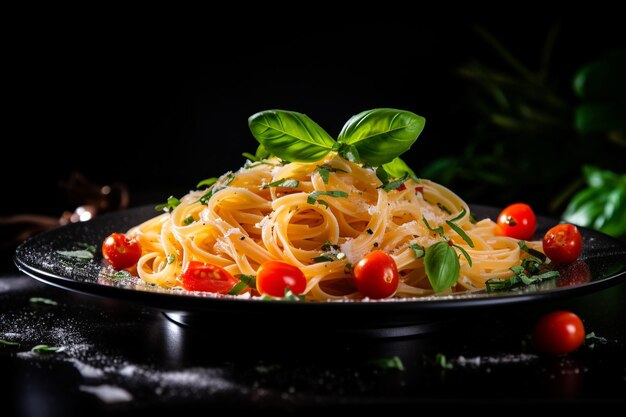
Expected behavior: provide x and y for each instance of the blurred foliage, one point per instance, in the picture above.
(533, 136)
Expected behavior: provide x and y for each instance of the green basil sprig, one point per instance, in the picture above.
(442, 266)
(376, 137)
(380, 135)
(290, 135)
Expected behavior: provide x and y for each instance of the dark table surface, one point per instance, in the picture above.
(124, 358)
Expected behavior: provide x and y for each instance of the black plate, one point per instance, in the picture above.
(604, 256)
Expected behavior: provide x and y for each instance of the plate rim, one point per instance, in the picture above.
(171, 301)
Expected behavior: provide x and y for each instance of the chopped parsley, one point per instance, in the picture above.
(189, 220)
(171, 258)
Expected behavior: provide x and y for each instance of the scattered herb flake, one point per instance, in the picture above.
(440, 359)
(370, 231)
(41, 300)
(171, 258)
(82, 254)
(393, 362)
(189, 220)
(47, 349)
(347, 269)
(8, 343)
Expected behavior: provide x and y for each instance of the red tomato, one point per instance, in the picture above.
(376, 275)
(558, 333)
(517, 220)
(563, 243)
(120, 251)
(274, 277)
(200, 276)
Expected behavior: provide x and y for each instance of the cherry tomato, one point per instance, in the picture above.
(517, 220)
(376, 275)
(563, 243)
(274, 277)
(120, 251)
(558, 333)
(200, 276)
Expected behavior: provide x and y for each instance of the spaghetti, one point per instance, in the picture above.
(322, 217)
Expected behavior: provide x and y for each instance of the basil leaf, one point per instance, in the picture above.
(260, 154)
(312, 198)
(382, 175)
(380, 135)
(189, 220)
(207, 183)
(438, 230)
(418, 250)
(392, 185)
(349, 152)
(464, 252)
(47, 349)
(541, 258)
(398, 168)
(290, 135)
(284, 182)
(238, 288)
(459, 216)
(442, 266)
(461, 233)
(172, 203)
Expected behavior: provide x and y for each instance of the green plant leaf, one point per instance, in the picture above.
(442, 266)
(602, 205)
(381, 135)
(290, 135)
(398, 168)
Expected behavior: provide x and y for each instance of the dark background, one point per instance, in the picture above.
(160, 107)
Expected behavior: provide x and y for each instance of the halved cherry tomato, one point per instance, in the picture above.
(558, 333)
(274, 277)
(200, 276)
(517, 220)
(563, 243)
(376, 275)
(120, 251)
